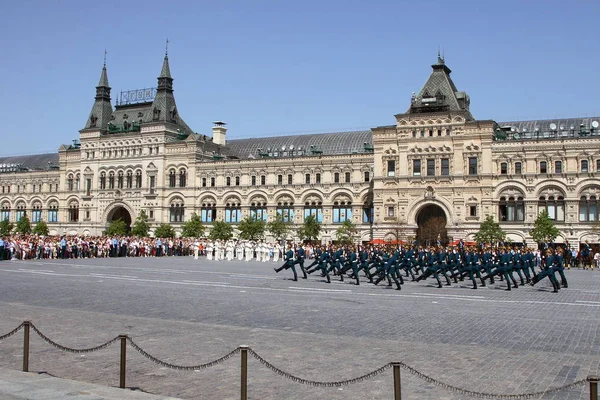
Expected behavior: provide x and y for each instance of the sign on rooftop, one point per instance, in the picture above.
(137, 96)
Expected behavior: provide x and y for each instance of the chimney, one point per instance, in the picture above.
(219, 131)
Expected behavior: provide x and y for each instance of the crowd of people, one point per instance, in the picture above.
(391, 263)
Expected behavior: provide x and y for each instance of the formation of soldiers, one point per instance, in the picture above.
(479, 265)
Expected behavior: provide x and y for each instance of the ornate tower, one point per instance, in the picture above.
(102, 109)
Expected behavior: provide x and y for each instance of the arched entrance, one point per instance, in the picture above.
(120, 213)
(431, 221)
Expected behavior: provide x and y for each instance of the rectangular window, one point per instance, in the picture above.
(228, 181)
(263, 180)
(307, 179)
(290, 179)
(259, 213)
(584, 166)
(315, 211)
(417, 167)
(430, 167)
(52, 215)
(347, 177)
(518, 168)
(317, 178)
(151, 214)
(336, 177)
(368, 215)
(391, 168)
(473, 211)
(5, 215)
(390, 211)
(280, 179)
(213, 181)
(203, 182)
(597, 165)
(503, 168)
(342, 214)
(445, 166)
(367, 177)
(472, 165)
(36, 216)
(233, 215)
(237, 181)
(253, 180)
(20, 214)
(543, 167)
(208, 214)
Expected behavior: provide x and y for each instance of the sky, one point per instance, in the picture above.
(275, 67)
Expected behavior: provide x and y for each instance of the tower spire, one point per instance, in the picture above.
(102, 109)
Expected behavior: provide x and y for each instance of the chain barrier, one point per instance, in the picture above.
(9, 334)
(317, 383)
(69, 349)
(484, 395)
(181, 367)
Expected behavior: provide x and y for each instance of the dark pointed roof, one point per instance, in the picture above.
(102, 109)
(163, 108)
(439, 93)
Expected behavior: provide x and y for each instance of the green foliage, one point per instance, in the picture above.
(310, 229)
(278, 228)
(23, 226)
(221, 230)
(141, 226)
(41, 228)
(346, 232)
(193, 228)
(117, 228)
(489, 231)
(543, 229)
(251, 228)
(6, 227)
(164, 231)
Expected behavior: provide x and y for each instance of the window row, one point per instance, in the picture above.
(546, 167)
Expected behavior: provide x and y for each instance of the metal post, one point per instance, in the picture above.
(26, 325)
(244, 374)
(593, 380)
(397, 386)
(123, 364)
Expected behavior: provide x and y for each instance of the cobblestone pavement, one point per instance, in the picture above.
(188, 312)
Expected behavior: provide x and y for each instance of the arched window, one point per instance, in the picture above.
(558, 167)
(21, 210)
(103, 180)
(70, 183)
(5, 212)
(258, 209)
(182, 180)
(543, 167)
(176, 211)
(36, 214)
(77, 182)
(336, 177)
(172, 178)
(347, 177)
(138, 179)
(129, 179)
(74, 212)
(285, 209)
(503, 168)
(314, 208)
(555, 206)
(518, 170)
(511, 209)
(233, 212)
(120, 180)
(111, 180)
(53, 212)
(342, 211)
(208, 211)
(588, 209)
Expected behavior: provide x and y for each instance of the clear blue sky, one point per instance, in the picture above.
(279, 67)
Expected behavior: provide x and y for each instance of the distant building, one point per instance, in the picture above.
(436, 161)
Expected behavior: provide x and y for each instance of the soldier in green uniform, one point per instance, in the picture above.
(289, 262)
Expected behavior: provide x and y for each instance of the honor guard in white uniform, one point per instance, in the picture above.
(229, 250)
(209, 250)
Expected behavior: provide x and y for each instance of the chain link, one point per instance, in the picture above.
(9, 334)
(181, 367)
(318, 383)
(490, 395)
(69, 349)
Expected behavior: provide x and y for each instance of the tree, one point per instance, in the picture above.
(489, 231)
(251, 228)
(117, 228)
(6, 227)
(279, 228)
(23, 225)
(221, 230)
(310, 229)
(41, 228)
(141, 226)
(432, 230)
(346, 232)
(194, 227)
(543, 229)
(164, 231)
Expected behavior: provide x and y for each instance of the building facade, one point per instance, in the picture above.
(436, 165)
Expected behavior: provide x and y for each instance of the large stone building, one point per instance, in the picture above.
(436, 162)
